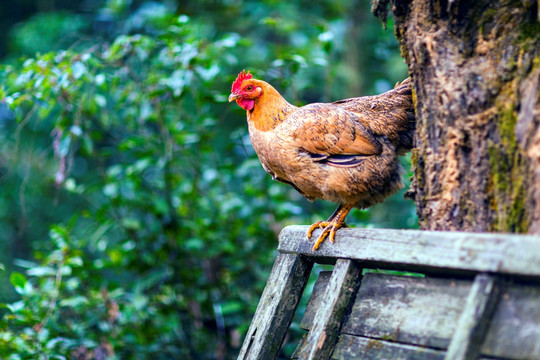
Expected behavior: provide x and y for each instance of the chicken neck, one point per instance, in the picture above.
(270, 110)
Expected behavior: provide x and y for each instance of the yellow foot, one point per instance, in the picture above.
(330, 226)
(329, 229)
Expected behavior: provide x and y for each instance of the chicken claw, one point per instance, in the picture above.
(330, 226)
(329, 230)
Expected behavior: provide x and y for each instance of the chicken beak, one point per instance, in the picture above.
(233, 96)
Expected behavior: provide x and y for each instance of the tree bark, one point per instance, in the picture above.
(475, 67)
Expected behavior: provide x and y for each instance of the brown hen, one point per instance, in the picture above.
(345, 152)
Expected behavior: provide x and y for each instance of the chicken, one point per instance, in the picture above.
(345, 152)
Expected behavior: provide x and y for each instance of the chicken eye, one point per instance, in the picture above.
(249, 88)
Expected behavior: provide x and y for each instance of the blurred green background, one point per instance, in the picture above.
(136, 221)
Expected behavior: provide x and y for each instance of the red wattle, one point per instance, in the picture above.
(246, 104)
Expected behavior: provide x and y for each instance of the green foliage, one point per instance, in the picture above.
(146, 224)
(163, 205)
(42, 33)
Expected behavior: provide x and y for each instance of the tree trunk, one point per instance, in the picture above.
(475, 66)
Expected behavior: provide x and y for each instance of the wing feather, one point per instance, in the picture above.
(332, 135)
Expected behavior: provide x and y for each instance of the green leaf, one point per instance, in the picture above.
(75, 261)
(17, 279)
(24, 263)
(131, 223)
(194, 244)
(74, 301)
(65, 144)
(78, 69)
(41, 271)
(16, 306)
(232, 307)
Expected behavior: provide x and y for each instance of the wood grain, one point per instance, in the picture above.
(514, 331)
(352, 347)
(428, 251)
(420, 311)
(276, 308)
(319, 289)
(473, 322)
(428, 313)
(331, 310)
(403, 317)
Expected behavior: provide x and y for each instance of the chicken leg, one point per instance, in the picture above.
(330, 226)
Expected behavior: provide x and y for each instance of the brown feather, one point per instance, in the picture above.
(344, 151)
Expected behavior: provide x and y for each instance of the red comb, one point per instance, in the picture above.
(238, 82)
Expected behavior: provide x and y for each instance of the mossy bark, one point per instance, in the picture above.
(475, 67)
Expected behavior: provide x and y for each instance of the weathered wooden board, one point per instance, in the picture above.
(299, 347)
(276, 308)
(473, 322)
(426, 312)
(333, 305)
(514, 331)
(319, 289)
(412, 310)
(450, 252)
(352, 347)
(400, 317)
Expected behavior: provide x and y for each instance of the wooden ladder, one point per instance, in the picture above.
(480, 297)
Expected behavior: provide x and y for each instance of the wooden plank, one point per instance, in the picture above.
(412, 310)
(331, 311)
(319, 290)
(352, 347)
(426, 311)
(514, 331)
(299, 347)
(473, 322)
(430, 251)
(276, 308)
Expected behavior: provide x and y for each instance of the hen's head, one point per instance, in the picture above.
(246, 90)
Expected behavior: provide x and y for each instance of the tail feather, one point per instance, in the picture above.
(406, 134)
(390, 114)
